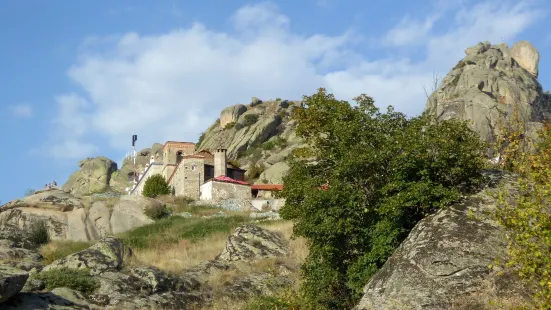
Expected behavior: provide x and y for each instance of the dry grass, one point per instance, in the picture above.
(175, 258)
(57, 249)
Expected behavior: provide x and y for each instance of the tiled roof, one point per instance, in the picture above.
(226, 179)
(268, 187)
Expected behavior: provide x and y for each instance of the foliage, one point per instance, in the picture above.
(38, 233)
(61, 248)
(255, 171)
(277, 142)
(250, 119)
(173, 229)
(201, 139)
(375, 176)
(29, 192)
(156, 185)
(156, 212)
(230, 125)
(234, 163)
(525, 214)
(76, 279)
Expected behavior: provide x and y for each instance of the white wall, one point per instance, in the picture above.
(152, 170)
(206, 191)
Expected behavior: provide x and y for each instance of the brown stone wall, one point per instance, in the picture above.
(188, 178)
(172, 148)
(222, 190)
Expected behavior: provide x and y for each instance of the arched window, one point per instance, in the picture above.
(179, 156)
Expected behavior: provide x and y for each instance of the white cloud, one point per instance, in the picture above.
(410, 31)
(22, 110)
(172, 86)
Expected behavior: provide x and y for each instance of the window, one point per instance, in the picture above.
(179, 156)
(193, 167)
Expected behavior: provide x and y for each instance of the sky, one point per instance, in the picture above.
(78, 78)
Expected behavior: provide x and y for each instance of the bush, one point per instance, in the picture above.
(156, 185)
(156, 212)
(38, 233)
(525, 215)
(250, 119)
(277, 142)
(201, 138)
(230, 125)
(76, 279)
(375, 176)
(255, 171)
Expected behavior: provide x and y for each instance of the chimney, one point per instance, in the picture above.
(220, 163)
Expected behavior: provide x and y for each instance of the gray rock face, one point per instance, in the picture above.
(108, 254)
(12, 281)
(444, 260)
(274, 174)
(231, 114)
(250, 242)
(93, 177)
(487, 83)
(527, 56)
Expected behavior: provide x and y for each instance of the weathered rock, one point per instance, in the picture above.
(231, 114)
(527, 56)
(12, 281)
(250, 242)
(129, 212)
(486, 84)
(69, 220)
(274, 174)
(33, 285)
(20, 258)
(444, 259)
(93, 177)
(108, 254)
(255, 101)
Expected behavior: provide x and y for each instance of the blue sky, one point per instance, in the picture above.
(79, 77)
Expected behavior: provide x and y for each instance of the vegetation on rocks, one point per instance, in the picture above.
(375, 176)
(525, 214)
(156, 185)
(250, 119)
(38, 233)
(57, 249)
(77, 279)
(156, 212)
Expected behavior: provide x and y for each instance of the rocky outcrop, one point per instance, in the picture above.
(274, 174)
(67, 218)
(443, 263)
(93, 177)
(108, 254)
(145, 287)
(251, 242)
(527, 56)
(122, 179)
(12, 281)
(231, 114)
(487, 83)
(246, 139)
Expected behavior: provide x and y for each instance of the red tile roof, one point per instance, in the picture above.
(226, 179)
(268, 187)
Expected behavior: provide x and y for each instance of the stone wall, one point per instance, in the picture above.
(172, 148)
(214, 190)
(188, 178)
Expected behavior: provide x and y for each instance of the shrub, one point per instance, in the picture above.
(250, 119)
(156, 212)
(76, 279)
(525, 214)
(29, 192)
(156, 185)
(201, 138)
(38, 233)
(234, 163)
(255, 171)
(230, 125)
(375, 176)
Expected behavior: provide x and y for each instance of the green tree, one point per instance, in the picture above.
(156, 185)
(372, 178)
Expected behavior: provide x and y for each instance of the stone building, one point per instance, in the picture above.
(198, 175)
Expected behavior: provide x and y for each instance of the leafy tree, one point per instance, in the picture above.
(156, 185)
(373, 177)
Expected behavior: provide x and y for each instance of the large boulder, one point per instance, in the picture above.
(12, 281)
(250, 242)
(93, 177)
(231, 114)
(443, 263)
(487, 84)
(274, 174)
(129, 212)
(108, 254)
